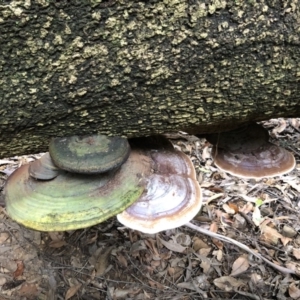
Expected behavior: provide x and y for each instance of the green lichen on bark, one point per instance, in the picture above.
(142, 67)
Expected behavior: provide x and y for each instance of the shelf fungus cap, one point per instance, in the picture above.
(246, 152)
(92, 154)
(169, 201)
(43, 168)
(268, 160)
(172, 162)
(73, 201)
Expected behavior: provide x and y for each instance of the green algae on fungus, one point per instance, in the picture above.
(92, 154)
(73, 201)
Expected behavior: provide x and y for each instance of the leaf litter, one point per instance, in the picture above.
(244, 244)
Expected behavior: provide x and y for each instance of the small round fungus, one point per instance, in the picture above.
(43, 168)
(172, 196)
(89, 154)
(247, 153)
(72, 201)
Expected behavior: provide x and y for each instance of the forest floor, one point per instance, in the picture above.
(109, 261)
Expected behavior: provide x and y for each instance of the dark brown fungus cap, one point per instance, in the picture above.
(247, 153)
(172, 196)
(72, 201)
(43, 168)
(89, 154)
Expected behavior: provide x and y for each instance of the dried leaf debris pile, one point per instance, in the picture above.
(109, 261)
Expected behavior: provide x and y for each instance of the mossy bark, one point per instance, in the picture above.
(137, 68)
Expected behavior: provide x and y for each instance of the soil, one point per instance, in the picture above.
(109, 261)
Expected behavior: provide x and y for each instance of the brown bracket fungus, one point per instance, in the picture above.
(246, 153)
(172, 196)
(89, 154)
(72, 201)
(43, 168)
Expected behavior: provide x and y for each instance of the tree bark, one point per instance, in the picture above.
(137, 68)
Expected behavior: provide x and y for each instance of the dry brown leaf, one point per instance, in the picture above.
(240, 265)
(57, 244)
(294, 291)
(4, 236)
(122, 260)
(248, 207)
(75, 262)
(206, 152)
(182, 239)
(56, 235)
(155, 284)
(213, 227)
(234, 207)
(280, 127)
(28, 290)
(285, 240)
(270, 235)
(219, 255)
(227, 283)
(205, 265)
(187, 285)
(3, 280)
(296, 252)
(155, 263)
(102, 261)
(72, 291)
(138, 246)
(205, 251)
(218, 243)
(295, 123)
(151, 243)
(175, 272)
(198, 244)
(20, 269)
(292, 266)
(172, 246)
(228, 209)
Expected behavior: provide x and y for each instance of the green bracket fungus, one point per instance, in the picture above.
(72, 201)
(92, 154)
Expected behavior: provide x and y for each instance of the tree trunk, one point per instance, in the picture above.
(136, 68)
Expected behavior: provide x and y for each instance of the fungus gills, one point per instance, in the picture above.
(246, 152)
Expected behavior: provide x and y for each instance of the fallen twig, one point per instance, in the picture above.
(242, 246)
